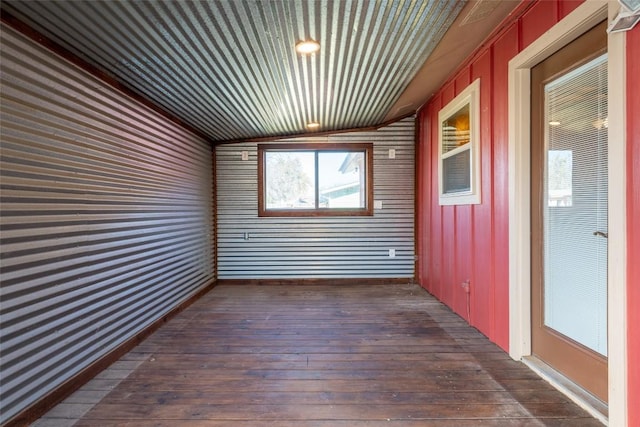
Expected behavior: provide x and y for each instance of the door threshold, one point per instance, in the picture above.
(594, 406)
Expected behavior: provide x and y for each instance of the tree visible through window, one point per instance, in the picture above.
(304, 180)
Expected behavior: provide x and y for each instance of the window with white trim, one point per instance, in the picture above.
(459, 148)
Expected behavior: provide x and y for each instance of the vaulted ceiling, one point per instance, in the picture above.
(229, 69)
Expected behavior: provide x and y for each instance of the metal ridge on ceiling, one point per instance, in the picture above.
(229, 68)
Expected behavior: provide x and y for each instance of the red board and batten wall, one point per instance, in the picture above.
(458, 243)
(633, 223)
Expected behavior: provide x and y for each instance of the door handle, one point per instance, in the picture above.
(601, 233)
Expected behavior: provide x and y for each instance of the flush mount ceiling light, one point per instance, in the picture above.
(307, 47)
(313, 125)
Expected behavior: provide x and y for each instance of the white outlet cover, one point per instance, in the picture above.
(392, 253)
(392, 153)
(245, 155)
(377, 204)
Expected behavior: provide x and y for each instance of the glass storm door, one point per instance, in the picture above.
(569, 212)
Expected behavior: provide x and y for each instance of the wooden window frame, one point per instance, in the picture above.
(367, 148)
(469, 97)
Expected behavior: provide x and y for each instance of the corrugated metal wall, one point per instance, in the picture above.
(106, 220)
(319, 247)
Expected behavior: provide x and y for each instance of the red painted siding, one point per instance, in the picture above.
(472, 242)
(505, 48)
(537, 20)
(482, 226)
(633, 215)
(566, 7)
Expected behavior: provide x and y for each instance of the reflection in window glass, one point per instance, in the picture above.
(341, 179)
(560, 186)
(456, 131)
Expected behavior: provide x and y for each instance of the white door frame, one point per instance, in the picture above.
(575, 24)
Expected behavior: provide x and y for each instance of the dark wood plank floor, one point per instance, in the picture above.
(384, 355)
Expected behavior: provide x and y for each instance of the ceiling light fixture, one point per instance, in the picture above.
(601, 123)
(307, 47)
(627, 17)
(631, 5)
(554, 123)
(313, 125)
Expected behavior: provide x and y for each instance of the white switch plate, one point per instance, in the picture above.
(392, 253)
(377, 204)
(392, 153)
(245, 155)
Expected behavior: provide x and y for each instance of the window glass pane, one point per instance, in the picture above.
(341, 177)
(455, 130)
(302, 180)
(290, 180)
(456, 173)
(575, 255)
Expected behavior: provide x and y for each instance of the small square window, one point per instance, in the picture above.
(459, 151)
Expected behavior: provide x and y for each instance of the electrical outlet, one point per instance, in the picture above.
(392, 253)
(392, 153)
(245, 155)
(377, 204)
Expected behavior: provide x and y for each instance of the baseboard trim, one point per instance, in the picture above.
(323, 282)
(42, 406)
(594, 406)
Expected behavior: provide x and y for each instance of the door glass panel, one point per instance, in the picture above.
(575, 215)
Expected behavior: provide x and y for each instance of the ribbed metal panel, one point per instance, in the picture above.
(106, 220)
(319, 247)
(229, 67)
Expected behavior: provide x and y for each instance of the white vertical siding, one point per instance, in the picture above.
(106, 220)
(319, 247)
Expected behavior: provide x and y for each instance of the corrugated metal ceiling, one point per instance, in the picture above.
(229, 68)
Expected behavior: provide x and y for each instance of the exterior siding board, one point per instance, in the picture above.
(542, 16)
(319, 247)
(106, 220)
(484, 227)
(505, 48)
(435, 254)
(481, 225)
